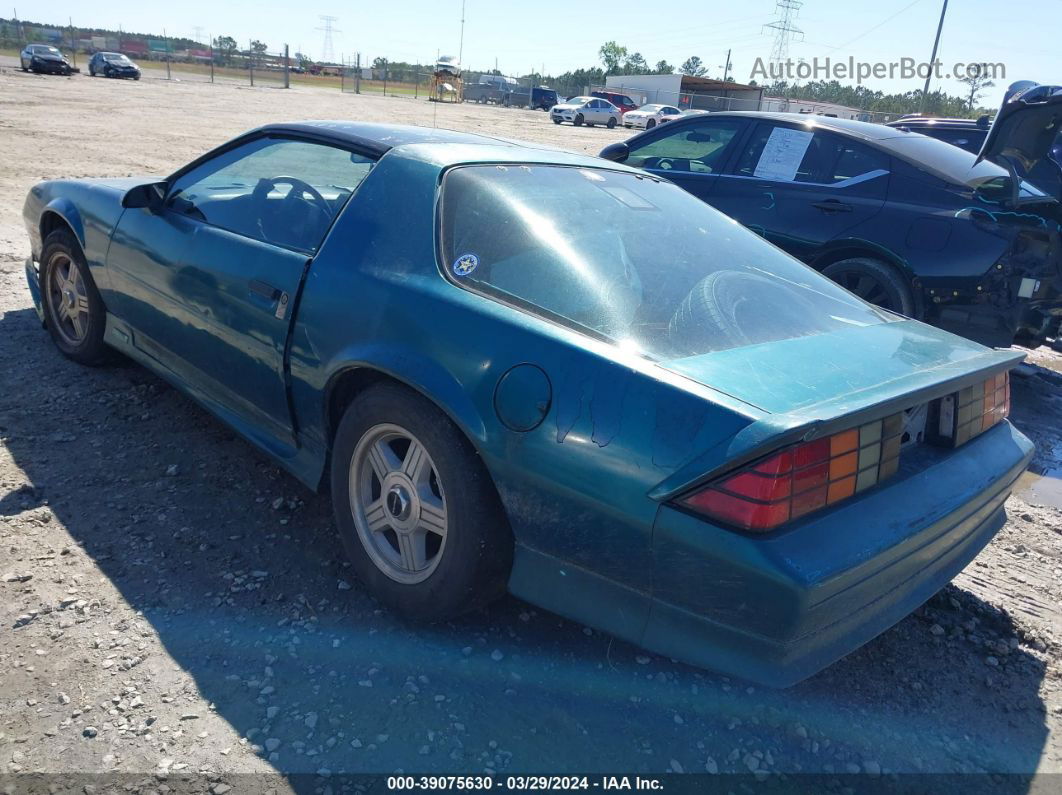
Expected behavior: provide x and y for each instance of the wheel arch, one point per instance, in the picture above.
(60, 213)
(840, 250)
(428, 380)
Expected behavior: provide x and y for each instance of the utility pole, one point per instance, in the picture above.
(933, 57)
(726, 69)
(461, 44)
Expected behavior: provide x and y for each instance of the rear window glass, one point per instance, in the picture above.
(631, 259)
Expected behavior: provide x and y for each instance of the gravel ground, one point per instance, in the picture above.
(171, 603)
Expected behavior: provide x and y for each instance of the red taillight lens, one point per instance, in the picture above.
(804, 478)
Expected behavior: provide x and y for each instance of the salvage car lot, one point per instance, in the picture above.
(164, 575)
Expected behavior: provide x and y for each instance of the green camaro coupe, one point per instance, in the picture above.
(529, 371)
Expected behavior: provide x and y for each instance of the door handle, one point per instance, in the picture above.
(263, 290)
(832, 206)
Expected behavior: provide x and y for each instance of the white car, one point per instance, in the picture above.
(648, 116)
(588, 111)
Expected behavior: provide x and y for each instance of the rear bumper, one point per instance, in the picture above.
(776, 610)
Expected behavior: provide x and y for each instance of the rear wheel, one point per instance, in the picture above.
(612, 122)
(73, 309)
(416, 510)
(874, 281)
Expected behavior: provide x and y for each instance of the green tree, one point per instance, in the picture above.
(663, 68)
(635, 64)
(976, 81)
(693, 67)
(612, 55)
(224, 48)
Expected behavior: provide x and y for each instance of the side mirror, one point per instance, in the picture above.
(617, 153)
(149, 196)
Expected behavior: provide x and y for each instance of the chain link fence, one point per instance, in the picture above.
(224, 60)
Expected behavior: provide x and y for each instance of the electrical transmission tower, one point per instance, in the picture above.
(327, 54)
(784, 29)
(197, 31)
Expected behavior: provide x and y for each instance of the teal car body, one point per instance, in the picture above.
(591, 445)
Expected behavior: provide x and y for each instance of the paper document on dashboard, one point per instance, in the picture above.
(783, 153)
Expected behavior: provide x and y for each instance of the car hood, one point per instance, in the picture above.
(843, 370)
(1023, 135)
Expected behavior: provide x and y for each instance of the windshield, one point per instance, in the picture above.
(41, 49)
(651, 108)
(578, 100)
(115, 57)
(631, 259)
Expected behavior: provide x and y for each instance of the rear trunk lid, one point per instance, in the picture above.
(849, 366)
(1025, 137)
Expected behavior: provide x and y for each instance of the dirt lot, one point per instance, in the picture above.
(172, 604)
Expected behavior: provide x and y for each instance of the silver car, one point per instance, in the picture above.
(588, 111)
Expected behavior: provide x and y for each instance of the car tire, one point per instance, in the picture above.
(470, 566)
(612, 123)
(578, 121)
(650, 124)
(874, 281)
(65, 278)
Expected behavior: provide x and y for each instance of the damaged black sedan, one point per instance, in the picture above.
(966, 242)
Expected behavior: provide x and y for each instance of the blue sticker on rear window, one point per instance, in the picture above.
(465, 264)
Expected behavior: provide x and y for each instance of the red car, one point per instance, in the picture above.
(621, 101)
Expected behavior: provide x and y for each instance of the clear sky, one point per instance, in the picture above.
(557, 35)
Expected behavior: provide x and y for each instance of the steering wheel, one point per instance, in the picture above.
(299, 189)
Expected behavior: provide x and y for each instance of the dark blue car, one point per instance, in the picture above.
(905, 221)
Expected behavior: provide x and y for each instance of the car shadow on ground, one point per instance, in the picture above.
(238, 571)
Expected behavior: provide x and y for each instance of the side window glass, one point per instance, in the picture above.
(855, 160)
(787, 154)
(700, 148)
(279, 191)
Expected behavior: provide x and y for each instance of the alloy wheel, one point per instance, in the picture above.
(865, 286)
(69, 304)
(398, 503)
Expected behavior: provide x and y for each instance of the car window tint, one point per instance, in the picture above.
(699, 148)
(789, 154)
(248, 190)
(582, 247)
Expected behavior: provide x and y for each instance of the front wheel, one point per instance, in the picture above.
(875, 282)
(416, 510)
(73, 309)
(650, 124)
(578, 122)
